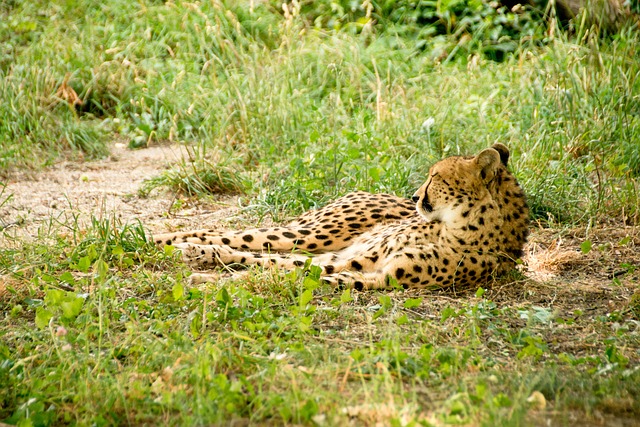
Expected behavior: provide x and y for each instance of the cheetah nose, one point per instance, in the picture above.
(415, 198)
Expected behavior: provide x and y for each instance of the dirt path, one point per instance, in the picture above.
(103, 188)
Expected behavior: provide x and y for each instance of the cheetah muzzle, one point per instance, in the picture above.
(468, 221)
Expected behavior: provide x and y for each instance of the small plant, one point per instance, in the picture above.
(199, 177)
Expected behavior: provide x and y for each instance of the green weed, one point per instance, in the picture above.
(199, 176)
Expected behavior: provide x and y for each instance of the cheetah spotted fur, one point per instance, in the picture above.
(469, 220)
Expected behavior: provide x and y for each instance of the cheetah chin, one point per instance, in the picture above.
(468, 221)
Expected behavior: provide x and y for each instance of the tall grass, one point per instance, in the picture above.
(315, 113)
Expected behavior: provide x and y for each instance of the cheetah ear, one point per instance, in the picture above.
(503, 151)
(488, 161)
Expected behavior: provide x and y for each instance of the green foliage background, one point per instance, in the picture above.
(319, 98)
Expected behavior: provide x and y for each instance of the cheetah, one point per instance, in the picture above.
(469, 220)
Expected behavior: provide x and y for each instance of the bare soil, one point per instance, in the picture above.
(105, 188)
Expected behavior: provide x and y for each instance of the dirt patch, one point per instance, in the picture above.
(72, 190)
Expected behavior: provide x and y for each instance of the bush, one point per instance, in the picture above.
(452, 28)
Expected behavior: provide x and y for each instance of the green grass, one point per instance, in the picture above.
(98, 327)
(106, 338)
(199, 174)
(315, 113)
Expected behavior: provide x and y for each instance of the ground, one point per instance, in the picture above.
(103, 188)
(583, 278)
(557, 269)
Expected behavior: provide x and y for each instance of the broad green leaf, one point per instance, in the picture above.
(42, 317)
(382, 310)
(402, 320)
(374, 174)
(47, 278)
(412, 302)
(223, 296)
(309, 409)
(84, 263)
(310, 283)
(447, 313)
(314, 271)
(385, 301)
(304, 323)
(117, 250)
(306, 297)
(177, 291)
(346, 296)
(585, 247)
(357, 355)
(67, 277)
(101, 268)
(92, 253)
(71, 307)
(195, 326)
(54, 297)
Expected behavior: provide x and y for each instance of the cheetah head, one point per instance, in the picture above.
(457, 184)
